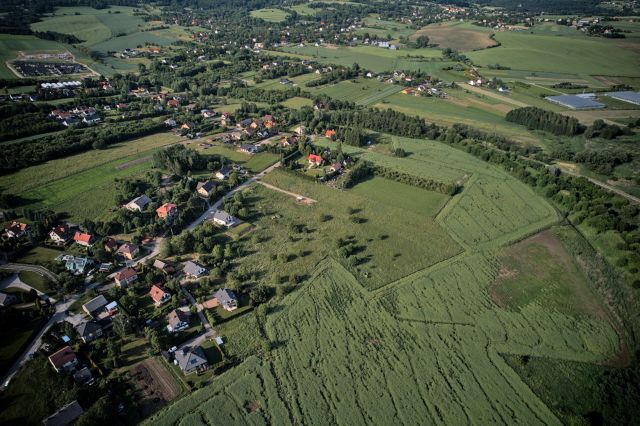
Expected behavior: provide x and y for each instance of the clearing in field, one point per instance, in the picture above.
(459, 36)
(539, 271)
(361, 91)
(270, 15)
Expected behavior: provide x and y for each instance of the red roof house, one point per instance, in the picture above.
(167, 211)
(83, 239)
(316, 160)
(125, 277)
(63, 360)
(158, 295)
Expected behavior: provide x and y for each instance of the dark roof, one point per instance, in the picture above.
(87, 328)
(177, 316)
(207, 186)
(190, 358)
(64, 416)
(191, 268)
(95, 304)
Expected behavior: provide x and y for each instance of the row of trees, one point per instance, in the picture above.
(540, 119)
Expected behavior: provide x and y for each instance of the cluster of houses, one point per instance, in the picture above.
(249, 128)
(81, 114)
(381, 43)
(16, 230)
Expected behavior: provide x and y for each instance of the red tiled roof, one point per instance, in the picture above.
(156, 293)
(314, 158)
(165, 209)
(82, 237)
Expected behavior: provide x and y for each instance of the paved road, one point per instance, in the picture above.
(59, 315)
(16, 282)
(215, 206)
(40, 270)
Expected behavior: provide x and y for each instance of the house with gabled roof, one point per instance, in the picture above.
(159, 295)
(83, 239)
(193, 270)
(223, 173)
(64, 360)
(177, 320)
(222, 218)
(128, 251)
(88, 331)
(206, 189)
(64, 416)
(191, 359)
(227, 299)
(125, 277)
(60, 234)
(138, 203)
(110, 245)
(315, 160)
(94, 306)
(16, 229)
(167, 211)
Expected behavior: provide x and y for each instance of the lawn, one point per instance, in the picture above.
(297, 102)
(401, 195)
(14, 337)
(36, 281)
(361, 91)
(82, 185)
(593, 56)
(270, 15)
(11, 44)
(39, 256)
(368, 57)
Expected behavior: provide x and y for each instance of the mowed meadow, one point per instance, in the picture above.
(419, 338)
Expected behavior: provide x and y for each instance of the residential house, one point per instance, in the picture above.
(244, 123)
(83, 239)
(7, 299)
(70, 121)
(110, 245)
(88, 331)
(91, 119)
(94, 306)
(314, 160)
(64, 360)
(171, 122)
(223, 173)
(335, 167)
(138, 203)
(191, 359)
(167, 211)
(64, 416)
(173, 103)
(206, 189)
(158, 295)
(227, 299)
(163, 266)
(125, 277)
(207, 113)
(222, 218)
(300, 130)
(128, 251)
(84, 376)
(177, 320)
(16, 229)
(193, 270)
(330, 133)
(248, 148)
(60, 234)
(77, 265)
(189, 125)
(111, 308)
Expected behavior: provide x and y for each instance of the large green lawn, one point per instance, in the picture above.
(574, 55)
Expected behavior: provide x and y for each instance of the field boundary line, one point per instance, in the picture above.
(433, 322)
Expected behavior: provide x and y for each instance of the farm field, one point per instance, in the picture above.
(297, 102)
(360, 91)
(82, 185)
(368, 57)
(569, 55)
(270, 15)
(461, 36)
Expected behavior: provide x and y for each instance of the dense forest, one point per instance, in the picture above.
(540, 119)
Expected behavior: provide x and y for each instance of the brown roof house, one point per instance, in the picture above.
(125, 277)
(206, 189)
(177, 320)
(64, 361)
(128, 251)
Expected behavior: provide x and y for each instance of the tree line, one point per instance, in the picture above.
(540, 119)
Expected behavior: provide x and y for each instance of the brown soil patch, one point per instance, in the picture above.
(454, 37)
(253, 406)
(155, 384)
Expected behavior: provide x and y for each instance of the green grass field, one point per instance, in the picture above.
(36, 281)
(270, 15)
(14, 338)
(82, 185)
(593, 56)
(368, 57)
(361, 91)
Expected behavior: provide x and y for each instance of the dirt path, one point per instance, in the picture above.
(494, 95)
(134, 162)
(301, 198)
